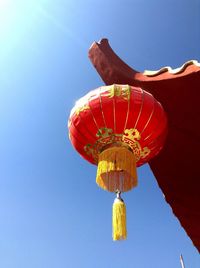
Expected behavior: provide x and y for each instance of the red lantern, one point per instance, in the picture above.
(117, 127)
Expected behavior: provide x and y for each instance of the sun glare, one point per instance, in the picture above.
(4, 4)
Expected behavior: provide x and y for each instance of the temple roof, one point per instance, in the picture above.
(176, 167)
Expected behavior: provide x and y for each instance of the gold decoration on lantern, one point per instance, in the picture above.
(118, 91)
(130, 139)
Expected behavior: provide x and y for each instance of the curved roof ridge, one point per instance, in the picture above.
(170, 70)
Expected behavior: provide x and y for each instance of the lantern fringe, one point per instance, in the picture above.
(116, 169)
(119, 220)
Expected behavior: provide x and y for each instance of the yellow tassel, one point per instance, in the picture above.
(116, 169)
(119, 219)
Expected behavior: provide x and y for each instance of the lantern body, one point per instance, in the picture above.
(117, 127)
(121, 115)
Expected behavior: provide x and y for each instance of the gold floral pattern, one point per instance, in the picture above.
(120, 91)
(81, 109)
(130, 138)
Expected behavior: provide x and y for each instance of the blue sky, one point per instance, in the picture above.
(52, 213)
